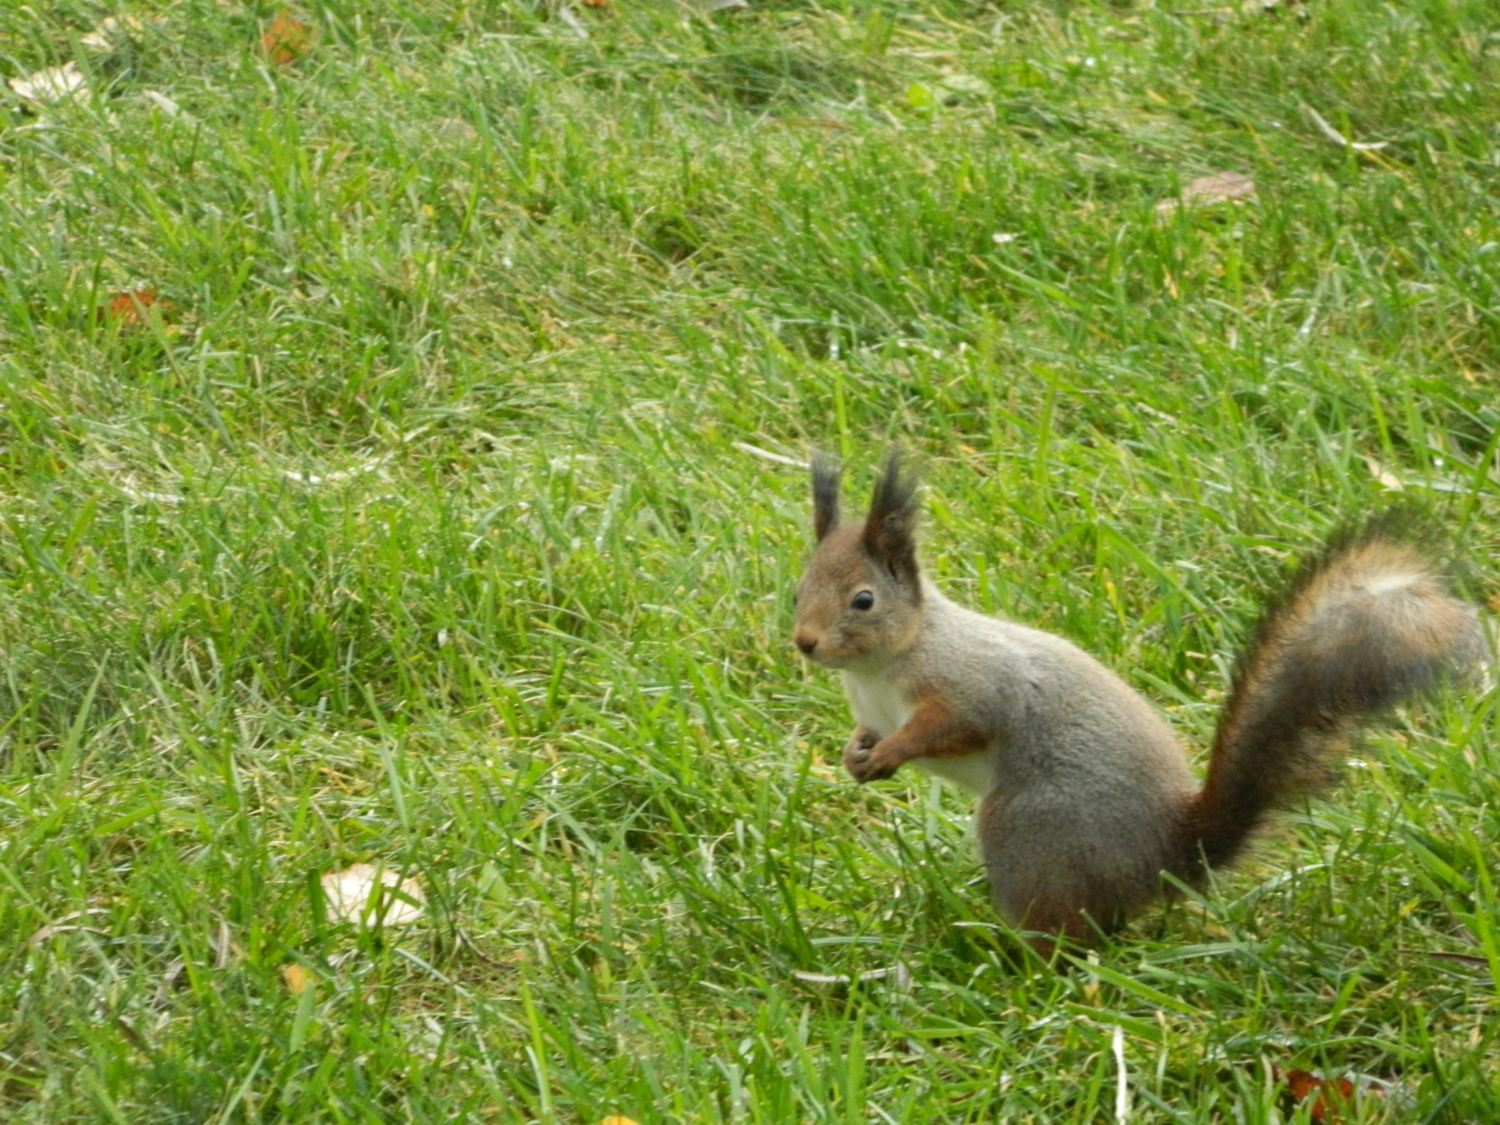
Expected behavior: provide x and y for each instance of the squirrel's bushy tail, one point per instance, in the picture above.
(1364, 626)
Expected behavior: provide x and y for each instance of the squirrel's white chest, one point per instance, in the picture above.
(876, 702)
(879, 704)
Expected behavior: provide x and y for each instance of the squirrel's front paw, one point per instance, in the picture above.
(864, 761)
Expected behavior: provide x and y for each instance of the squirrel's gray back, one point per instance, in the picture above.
(1054, 711)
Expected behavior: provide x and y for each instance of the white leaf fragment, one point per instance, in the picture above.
(112, 34)
(49, 85)
(369, 895)
(1388, 480)
(162, 102)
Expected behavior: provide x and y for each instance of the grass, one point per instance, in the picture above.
(415, 524)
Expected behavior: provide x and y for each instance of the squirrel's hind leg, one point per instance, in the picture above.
(1051, 875)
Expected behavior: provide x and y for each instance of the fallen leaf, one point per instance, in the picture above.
(162, 102)
(50, 85)
(1388, 480)
(1329, 1097)
(1220, 187)
(367, 895)
(296, 979)
(457, 129)
(127, 307)
(287, 39)
(953, 88)
(1303, 1084)
(617, 1121)
(112, 34)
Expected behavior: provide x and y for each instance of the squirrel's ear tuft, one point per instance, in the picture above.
(825, 484)
(890, 528)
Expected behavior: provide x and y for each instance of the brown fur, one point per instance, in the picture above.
(1363, 626)
(825, 478)
(931, 732)
(889, 535)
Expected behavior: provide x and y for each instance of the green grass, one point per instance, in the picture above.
(421, 529)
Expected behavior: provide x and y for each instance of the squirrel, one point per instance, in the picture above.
(1085, 795)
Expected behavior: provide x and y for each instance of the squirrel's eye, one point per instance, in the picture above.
(863, 600)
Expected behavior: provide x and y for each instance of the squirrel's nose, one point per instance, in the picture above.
(806, 643)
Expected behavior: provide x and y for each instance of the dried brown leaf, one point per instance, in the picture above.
(1221, 187)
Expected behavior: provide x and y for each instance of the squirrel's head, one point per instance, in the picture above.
(860, 600)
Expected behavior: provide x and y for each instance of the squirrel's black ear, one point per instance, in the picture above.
(890, 528)
(825, 482)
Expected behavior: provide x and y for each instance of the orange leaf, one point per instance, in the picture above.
(1303, 1084)
(287, 39)
(128, 307)
(296, 979)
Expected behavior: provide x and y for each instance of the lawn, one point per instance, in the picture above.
(402, 412)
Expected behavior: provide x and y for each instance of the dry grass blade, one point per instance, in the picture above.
(899, 973)
(1338, 138)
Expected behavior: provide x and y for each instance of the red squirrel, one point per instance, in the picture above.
(1085, 796)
